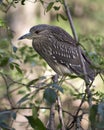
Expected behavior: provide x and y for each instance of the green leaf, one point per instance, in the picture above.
(72, 76)
(32, 82)
(4, 118)
(11, 66)
(50, 5)
(36, 124)
(57, 17)
(1, 51)
(21, 92)
(62, 16)
(101, 109)
(4, 61)
(14, 49)
(42, 2)
(100, 125)
(14, 114)
(23, 99)
(93, 113)
(2, 23)
(35, 112)
(50, 95)
(18, 69)
(56, 86)
(23, 2)
(5, 126)
(56, 8)
(61, 1)
(15, 64)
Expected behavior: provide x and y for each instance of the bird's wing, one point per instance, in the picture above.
(62, 56)
(49, 52)
(67, 55)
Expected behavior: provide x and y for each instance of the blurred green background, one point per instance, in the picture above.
(21, 64)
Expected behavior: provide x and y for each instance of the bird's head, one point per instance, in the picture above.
(44, 33)
(36, 32)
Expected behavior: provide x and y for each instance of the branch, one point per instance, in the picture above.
(70, 20)
(51, 123)
(79, 51)
(60, 113)
(7, 93)
(75, 37)
(23, 108)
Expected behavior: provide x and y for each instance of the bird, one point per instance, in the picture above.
(60, 50)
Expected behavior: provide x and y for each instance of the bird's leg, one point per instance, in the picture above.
(55, 78)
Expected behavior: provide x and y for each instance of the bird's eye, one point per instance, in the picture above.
(37, 32)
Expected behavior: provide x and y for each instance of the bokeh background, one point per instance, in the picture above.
(88, 17)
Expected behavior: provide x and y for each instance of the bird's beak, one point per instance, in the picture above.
(26, 36)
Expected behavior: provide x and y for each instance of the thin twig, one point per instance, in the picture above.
(70, 20)
(23, 108)
(60, 113)
(77, 112)
(7, 88)
(51, 122)
(102, 77)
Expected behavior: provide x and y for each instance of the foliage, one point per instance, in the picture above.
(42, 91)
(96, 44)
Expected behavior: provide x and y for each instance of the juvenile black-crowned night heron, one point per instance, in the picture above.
(59, 50)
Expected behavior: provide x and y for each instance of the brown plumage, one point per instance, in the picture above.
(59, 50)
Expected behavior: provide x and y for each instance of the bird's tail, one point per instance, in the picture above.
(90, 69)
